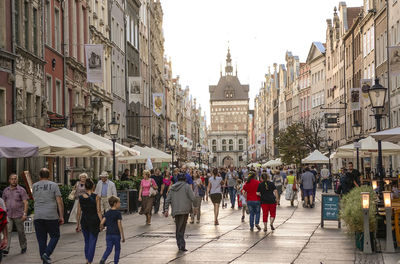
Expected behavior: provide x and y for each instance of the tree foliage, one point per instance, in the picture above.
(312, 131)
(291, 144)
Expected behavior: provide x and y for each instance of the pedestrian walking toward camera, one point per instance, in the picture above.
(114, 233)
(253, 201)
(231, 177)
(16, 203)
(308, 180)
(278, 182)
(215, 192)
(47, 197)
(181, 198)
(145, 195)
(167, 181)
(79, 190)
(325, 174)
(88, 219)
(199, 192)
(269, 199)
(105, 189)
(158, 178)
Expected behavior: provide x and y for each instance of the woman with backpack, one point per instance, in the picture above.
(199, 192)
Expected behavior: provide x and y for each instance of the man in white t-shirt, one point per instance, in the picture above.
(325, 178)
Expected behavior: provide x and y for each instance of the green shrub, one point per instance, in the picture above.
(351, 209)
(124, 185)
(65, 191)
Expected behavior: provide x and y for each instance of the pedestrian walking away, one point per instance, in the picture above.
(215, 192)
(79, 190)
(114, 233)
(199, 192)
(47, 197)
(325, 174)
(269, 199)
(181, 198)
(278, 182)
(308, 180)
(88, 219)
(242, 198)
(145, 195)
(158, 178)
(105, 189)
(253, 200)
(16, 203)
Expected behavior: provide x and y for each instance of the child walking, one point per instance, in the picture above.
(242, 197)
(112, 220)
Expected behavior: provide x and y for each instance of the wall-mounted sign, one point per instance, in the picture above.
(94, 62)
(58, 122)
(355, 94)
(331, 120)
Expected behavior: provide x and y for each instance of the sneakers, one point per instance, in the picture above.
(198, 222)
(258, 227)
(46, 259)
(5, 252)
(272, 227)
(251, 229)
(102, 261)
(242, 219)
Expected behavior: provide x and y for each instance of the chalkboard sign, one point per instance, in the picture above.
(330, 206)
(124, 199)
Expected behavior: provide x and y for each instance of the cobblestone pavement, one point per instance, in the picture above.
(298, 238)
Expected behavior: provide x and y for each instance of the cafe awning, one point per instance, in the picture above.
(11, 148)
(98, 148)
(48, 144)
(119, 148)
(369, 146)
(392, 135)
(155, 155)
(315, 157)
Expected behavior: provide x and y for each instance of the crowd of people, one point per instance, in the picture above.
(253, 191)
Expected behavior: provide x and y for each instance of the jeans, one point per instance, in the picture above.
(180, 223)
(43, 228)
(325, 185)
(254, 208)
(20, 229)
(113, 241)
(90, 244)
(157, 199)
(232, 195)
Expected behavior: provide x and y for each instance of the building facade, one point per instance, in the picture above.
(229, 108)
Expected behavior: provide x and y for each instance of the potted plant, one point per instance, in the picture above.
(352, 213)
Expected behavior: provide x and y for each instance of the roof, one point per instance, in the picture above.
(230, 83)
(319, 46)
(352, 13)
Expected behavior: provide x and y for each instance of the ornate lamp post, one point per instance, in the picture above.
(365, 207)
(113, 126)
(377, 96)
(208, 158)
(329, 144)
(172, 142)
(357, 133)
(199, 151)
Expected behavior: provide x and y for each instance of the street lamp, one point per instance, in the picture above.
(113, 126)
(377, 96)
(199, 151)
(208, 158)
(365, 208)
(357, 133)
(387, 199)
(329, 142)
(172, 143)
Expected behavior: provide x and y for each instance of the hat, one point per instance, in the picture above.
(103, 174)
(181, 176)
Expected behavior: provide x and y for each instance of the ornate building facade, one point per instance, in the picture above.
(229, 108)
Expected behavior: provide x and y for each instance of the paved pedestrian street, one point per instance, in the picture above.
(298, 238)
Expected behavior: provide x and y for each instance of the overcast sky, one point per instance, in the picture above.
(259, 33)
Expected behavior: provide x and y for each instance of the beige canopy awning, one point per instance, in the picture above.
(155, 155)
(49, 144)
(369, 147)
(123, 150)
(315, 157)
(98, 148)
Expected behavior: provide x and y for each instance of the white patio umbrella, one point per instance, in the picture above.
(99, 149)
(273, 163)
(126, 152)
(315, 157)
(49, 144)
(12, 148)
(155, 155)
(392, 135)
(369, 147)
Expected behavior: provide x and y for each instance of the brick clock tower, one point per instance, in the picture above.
(229, 108)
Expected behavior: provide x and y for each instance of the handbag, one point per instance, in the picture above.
(153, 192)
(71, 195)
(294, 187)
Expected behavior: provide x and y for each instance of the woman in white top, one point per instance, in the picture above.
(214, 189)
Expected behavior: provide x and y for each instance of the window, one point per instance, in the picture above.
(230, 145)
(76, 99)
(241, 144)
(57, 44)
(49, 92)
(35, 35)
(58, 97)
(26, 24)
(48, 23)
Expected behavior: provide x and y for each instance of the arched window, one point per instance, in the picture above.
(224, 145)
(214, 145)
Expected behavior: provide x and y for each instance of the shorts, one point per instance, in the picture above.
(216, 198)
(308, 192)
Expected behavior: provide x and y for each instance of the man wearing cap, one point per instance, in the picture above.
(105, 189)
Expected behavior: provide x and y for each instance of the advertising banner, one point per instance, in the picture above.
(173, 130)
(355, 94)
(94, 62)
(394, 60)
(135, 89)
(158, 103)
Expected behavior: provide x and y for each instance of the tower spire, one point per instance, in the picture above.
(228, 67)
